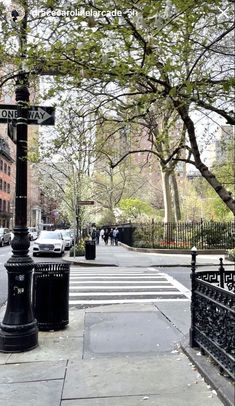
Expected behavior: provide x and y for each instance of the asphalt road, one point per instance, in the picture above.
(181, 274)
(5, 254)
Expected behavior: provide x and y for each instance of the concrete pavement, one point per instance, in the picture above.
(121, 256)
(114, 355)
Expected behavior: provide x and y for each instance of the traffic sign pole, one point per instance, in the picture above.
(18, 330)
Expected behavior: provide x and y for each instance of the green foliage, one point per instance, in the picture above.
(79, 249)
(106, 218)
(183, 236)
(158, 54)
(135, 208)
(213, 236)
(143, 244)
(231, 254)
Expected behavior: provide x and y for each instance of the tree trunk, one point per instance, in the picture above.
(167, 196)
(176, 200)
(205, 172)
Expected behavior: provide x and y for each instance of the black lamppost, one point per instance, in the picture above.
(18, 330)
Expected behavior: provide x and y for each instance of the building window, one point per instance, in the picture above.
(5, 168)
(8, 207)
(0, 184)
(4, 206)
(9, 171)
(1, 165)
(4, 187)
(0, 204)
(8, 188)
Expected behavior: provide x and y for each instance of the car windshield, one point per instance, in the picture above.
(65, 233)
(50, 235)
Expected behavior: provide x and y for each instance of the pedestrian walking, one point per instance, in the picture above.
(93, 234)
(106, 236)
(115, 235)
(102, 233)
(97, 236)
(111, 237)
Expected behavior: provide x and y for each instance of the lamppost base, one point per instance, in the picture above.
(18, 341)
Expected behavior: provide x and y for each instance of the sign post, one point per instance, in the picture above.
(18, 330)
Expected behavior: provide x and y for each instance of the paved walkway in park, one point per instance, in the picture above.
(110, 255)
(117, 355)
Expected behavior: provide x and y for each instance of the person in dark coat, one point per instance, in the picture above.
(115, 235)
(106, 236)
(111, 236)
(97, 236)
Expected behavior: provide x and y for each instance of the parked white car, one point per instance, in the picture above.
(49, 242)
(67, 238)
(33, 234)
(5, 236)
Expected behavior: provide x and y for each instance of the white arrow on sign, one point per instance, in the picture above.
(40, 115)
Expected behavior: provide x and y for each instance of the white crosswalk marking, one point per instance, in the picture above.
(97, 286)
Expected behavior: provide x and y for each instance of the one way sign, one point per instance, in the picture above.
(37, 115)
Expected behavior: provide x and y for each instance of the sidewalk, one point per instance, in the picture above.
(121, 256)
(116, 355)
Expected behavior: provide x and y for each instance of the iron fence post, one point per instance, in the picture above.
(221, 273)
(193, 304)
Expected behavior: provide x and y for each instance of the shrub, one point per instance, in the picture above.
(142, 244)
(231, 254)
(79, 249)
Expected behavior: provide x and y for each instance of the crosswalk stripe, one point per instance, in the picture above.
(96, 287)
(77, 294)
(114, 274)
(115, 277)
(125, 301)
(133, 283)
(113, 287)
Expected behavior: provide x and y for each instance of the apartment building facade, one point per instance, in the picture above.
(6, 174)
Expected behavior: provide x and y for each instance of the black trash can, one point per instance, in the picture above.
(90, 251)
(51, 295)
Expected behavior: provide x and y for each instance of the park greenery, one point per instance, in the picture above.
(133, 92)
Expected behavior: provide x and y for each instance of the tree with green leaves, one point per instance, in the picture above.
(178, 51)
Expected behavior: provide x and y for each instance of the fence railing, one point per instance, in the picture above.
(204, 235)
(213, 315)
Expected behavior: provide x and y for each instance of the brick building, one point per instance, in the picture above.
(6, 162)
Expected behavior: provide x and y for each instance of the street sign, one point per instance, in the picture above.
(86, 202)
(38, 115)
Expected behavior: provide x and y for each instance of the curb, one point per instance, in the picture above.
(173, 251)
(85, 262)
(222, 385)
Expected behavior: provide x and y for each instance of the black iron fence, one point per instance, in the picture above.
(203, 235)
(213, 315)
